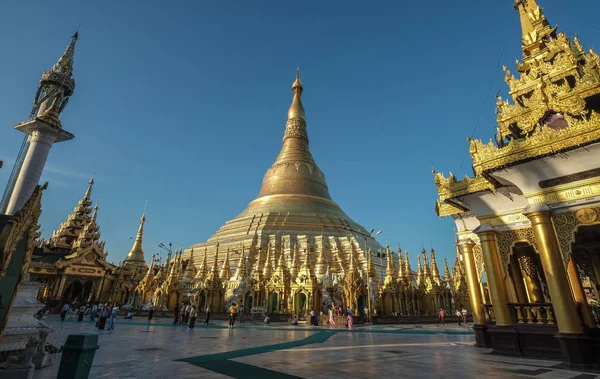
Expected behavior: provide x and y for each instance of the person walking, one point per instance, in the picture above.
(113, 317)
(442, 314)
(150, 313)
(188, 310)
(182, 314)
(104, 314)
(93, 312)
(176, 315)
(464, 315)
(80, 313)
(232, 313)
(241, 310)
(459, 315)
(331, 320)
(207, 315)
(65, 310)
(350, 319)
(193, 315)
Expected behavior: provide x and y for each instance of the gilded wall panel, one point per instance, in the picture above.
(507, 240)
(566, 224)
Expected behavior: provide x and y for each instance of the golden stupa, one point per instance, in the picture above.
(293, 210)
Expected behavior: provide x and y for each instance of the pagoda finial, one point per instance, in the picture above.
(447, 276)
(88, 191)
(434, 269)
(268, 267)
(226, 269)
(296, 109)
(534, 26)
(136, 254)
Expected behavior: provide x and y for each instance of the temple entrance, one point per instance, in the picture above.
(248, 302)
(78, 291)
(301, 303)
(362, 304)
(272, 302)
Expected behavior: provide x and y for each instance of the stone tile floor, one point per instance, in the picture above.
(136, 349)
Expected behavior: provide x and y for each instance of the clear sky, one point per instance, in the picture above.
(183, 104)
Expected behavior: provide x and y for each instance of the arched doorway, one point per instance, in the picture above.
(248, 302)
(362, 304)
(301, 303)
(272, 302)
(73, 292)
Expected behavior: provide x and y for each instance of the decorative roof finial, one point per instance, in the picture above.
(296, 109)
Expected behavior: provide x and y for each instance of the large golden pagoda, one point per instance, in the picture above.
(293, 209)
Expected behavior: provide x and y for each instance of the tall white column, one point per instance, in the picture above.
(40, 143)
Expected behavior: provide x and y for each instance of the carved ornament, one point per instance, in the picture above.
(25, 221)
(507, 240)
(566, 225)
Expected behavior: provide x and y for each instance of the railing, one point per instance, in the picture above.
(532, 313)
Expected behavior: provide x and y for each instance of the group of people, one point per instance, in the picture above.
(103, 312)
(461, 314)
(187, 314)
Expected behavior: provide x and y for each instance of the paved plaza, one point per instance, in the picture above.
(136, 349)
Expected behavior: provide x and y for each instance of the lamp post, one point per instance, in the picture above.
(369, 317)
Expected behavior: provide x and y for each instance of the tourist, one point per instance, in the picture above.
(93, 312)
(104, 314)
(267, 319)
(188, 310)
(176, 315)
(129, 316)
(232, 313)
(193, 316)
(442, 314)
(150, 312)
(464, 314)
(459, 315)
(295, 320)
(349, 319)
(182, 313)
(80, 313)
(241, 310)
(207, 315)
(65, 310)
(113, 317)
(331, 320)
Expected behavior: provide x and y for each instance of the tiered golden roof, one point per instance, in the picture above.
(69, 230)
(552, 108)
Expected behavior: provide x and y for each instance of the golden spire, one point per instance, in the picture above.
(390, 270)
(295, 261)
(281, 267)
(534, 26)
(401, 270)
(419, 270)
(226, 269)
(268, 268)
(306, 268)
(135, 258)
(407, 267)
(69, 230)
(202, 271)
(90, 233)
(240, 270)
(189, 273)
(88, 192)
(296, 109)
(434, 269)
(447, 276)
(426, 270)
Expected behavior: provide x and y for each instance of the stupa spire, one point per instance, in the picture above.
(240, 270)
(434, 268)
(295, 266)
(136, 254)
(202, 271)
(188, 274)
(303, 176)
(426, 270)
(447, 276)
(226, 268)
(268, 268)
(535, 29)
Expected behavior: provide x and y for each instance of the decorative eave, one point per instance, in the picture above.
(450, 189)
(542, 142)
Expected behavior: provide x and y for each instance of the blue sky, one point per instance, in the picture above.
(183, 104)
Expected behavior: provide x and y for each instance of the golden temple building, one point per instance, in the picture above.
(72, 263)
(528, 219)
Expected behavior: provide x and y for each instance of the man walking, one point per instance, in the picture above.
(233, 310)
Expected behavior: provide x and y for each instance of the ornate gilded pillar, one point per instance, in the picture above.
(531, 278)
(517, 279)
(578, 294)
(558, 284)
(575, 346)
(493, 269)
(482, 338)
